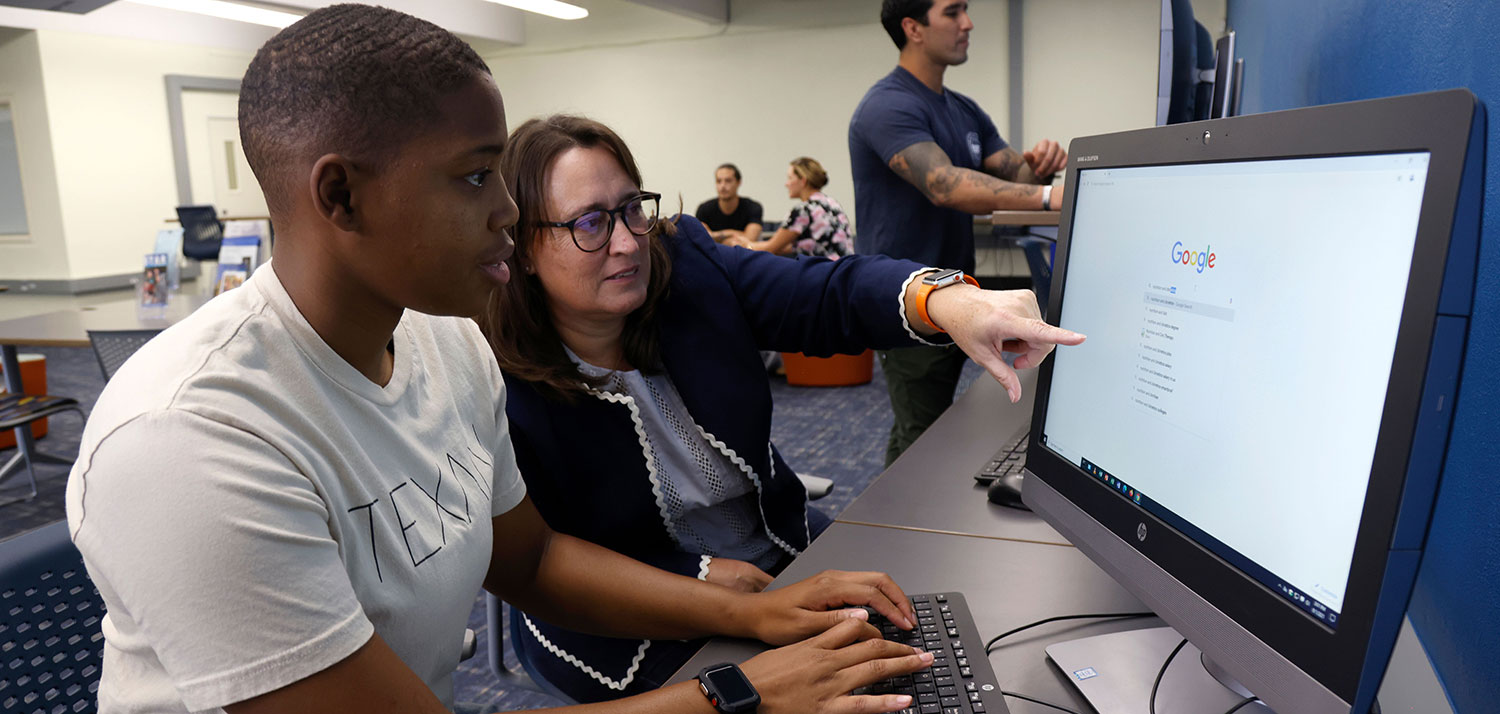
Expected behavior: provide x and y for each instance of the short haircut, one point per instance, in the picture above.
(892, 12)
(351, 79)
(517, 322)
(731, 167)
(810, 171)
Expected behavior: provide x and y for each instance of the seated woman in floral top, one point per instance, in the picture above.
(817, 225)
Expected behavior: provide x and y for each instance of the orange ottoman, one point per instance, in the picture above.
(33, 381)
(835, 371)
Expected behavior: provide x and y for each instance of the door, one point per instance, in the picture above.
(217, 170)
(236, 192)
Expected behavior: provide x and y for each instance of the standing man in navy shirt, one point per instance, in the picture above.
(926, 159)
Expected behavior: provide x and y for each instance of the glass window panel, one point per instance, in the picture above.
(12, 202)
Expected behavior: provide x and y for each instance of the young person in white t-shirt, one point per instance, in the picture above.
(289, 500)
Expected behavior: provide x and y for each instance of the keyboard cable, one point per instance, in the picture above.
(990, 645)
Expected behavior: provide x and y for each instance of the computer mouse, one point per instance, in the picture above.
(1006, 491)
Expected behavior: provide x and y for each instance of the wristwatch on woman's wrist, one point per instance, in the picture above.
(728, 689)
(935, 281)
(1047, 197)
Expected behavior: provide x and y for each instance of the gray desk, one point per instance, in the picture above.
(931, 487)
(1006, 583)
(70, 328)
(1019, 218)
(926, 524)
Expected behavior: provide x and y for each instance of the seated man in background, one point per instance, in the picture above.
(289, 500)
(730, 215)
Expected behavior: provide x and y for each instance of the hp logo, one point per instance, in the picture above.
(1140, 532)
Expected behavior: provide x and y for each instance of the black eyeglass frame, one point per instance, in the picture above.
(611, 213)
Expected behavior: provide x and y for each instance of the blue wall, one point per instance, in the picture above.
(1304, 52)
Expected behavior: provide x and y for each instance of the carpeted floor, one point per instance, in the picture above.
(838, 433)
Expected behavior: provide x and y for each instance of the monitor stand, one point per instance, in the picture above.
(1115, 672)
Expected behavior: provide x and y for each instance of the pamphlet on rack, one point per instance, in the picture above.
(169, 242)
(153, 292)
(238, 258)
(258, 228)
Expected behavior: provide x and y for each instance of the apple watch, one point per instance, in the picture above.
(935, 281)
(728, 689)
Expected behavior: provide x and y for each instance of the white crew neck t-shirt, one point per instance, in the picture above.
(253, 509)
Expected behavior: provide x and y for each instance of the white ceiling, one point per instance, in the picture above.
(716, 11)
(624, 22)
(491, 28)
(488, 26)
(121, 19)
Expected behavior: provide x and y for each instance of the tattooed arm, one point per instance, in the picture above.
(1036, 166)
(927, 166)
(1008, 164)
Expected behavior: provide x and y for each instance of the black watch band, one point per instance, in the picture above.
(728, 689)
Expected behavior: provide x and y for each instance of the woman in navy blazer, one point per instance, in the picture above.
(631, 340)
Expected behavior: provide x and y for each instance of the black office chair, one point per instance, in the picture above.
(113, 347)
(17, 412)
(49, 625)
(202, 232)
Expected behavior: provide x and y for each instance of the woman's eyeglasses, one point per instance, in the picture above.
(591, 231)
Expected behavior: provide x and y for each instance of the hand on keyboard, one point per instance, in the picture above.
(811, 606)
(956, 683)
(816, 676)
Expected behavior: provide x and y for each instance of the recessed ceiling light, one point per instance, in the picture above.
(227, 11)
(550, 8)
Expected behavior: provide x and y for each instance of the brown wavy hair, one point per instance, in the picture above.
(517, 321)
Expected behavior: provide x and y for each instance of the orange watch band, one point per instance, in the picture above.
(925, 289)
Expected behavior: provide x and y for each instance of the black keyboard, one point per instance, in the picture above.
(960, 680)
(1011, 458)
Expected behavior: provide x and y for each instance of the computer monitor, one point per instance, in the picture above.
(1226, 87)
(1251, 439)
(1197, 78)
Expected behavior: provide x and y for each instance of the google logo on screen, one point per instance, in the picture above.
(1199, 260)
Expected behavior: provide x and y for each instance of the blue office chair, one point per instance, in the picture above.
(527, 677)
(1040, 251)
(51, 646)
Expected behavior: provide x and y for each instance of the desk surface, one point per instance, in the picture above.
(1020, 218)
(1006, 583)
(69, 328)
(931, 487)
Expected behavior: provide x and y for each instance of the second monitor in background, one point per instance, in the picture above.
(1197, 79)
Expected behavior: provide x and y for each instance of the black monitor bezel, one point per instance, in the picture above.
(1436, 123)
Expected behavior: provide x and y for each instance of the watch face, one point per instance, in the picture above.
(944, 277)
(732, 685)
(732, 691)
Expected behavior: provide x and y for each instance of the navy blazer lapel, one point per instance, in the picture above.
(712, 361)
(588, 440)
